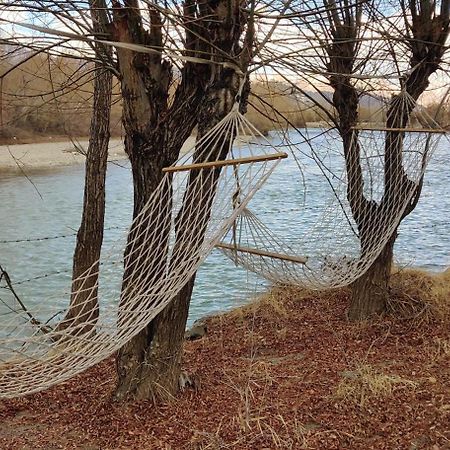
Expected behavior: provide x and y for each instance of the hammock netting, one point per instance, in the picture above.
(335, 251)
(184, 219)
(201, 203)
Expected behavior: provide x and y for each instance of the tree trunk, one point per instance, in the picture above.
(84, 309)
(370, 292)
(149, 366)
(131, 361)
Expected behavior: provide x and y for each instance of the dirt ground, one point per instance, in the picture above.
(287, 371)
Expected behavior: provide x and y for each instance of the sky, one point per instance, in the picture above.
(289, 51)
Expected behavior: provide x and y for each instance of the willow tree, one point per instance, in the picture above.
(156, 125)
(79, 78)
(344, 45)
(426, 29)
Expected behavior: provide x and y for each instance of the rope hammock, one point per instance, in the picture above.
(187, 215)
(387, 167)
(201, 203)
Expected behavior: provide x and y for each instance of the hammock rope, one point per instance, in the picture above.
(190, 211)
(203, 204)
(335, 250)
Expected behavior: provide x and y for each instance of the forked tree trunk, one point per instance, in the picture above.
(147, 173)
(370, 292)
(83, 311)
(149, 366)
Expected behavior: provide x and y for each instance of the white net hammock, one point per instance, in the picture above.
(333, 251)
(180, 226)
(191, 210)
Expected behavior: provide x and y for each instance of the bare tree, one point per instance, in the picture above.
(412, 37)
(426, 33)
(158, 115)
(150, 364)
(83, 309)
(91, 84)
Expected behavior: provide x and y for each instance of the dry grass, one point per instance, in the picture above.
(420, 295)
(366, 383)
(271, 304)
(439, 350)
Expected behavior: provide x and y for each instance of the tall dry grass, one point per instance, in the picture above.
(46, 96)
(420, 295)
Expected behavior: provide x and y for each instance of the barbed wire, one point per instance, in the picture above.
(39, 277)
(47, 238)
(50, 274)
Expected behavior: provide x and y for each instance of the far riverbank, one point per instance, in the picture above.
(50, 155)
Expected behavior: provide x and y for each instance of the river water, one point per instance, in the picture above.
(48, 204)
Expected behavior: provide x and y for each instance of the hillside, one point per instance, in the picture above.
(50, 98)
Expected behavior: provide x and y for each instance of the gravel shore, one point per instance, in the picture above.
(15, 158)
(50, 155)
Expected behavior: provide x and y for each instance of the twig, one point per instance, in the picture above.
(19, 166)
(4, 275)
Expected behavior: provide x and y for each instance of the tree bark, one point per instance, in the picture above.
(370, 292)
(149, 366)
(155, 134)
(83, 311)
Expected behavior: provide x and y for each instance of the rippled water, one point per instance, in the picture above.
(51, 206)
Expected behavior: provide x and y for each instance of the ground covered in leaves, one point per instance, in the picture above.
(287, 371)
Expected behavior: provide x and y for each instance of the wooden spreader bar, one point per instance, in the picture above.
(226, 162)
(402, 130)
(255, 251)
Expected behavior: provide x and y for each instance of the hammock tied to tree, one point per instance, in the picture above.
(191, 210)
(201, 203)
(334, 252)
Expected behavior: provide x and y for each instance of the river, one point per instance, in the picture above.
(48, 204)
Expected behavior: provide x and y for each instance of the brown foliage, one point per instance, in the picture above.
(273, 105)
(47, 96)
(287, 371)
